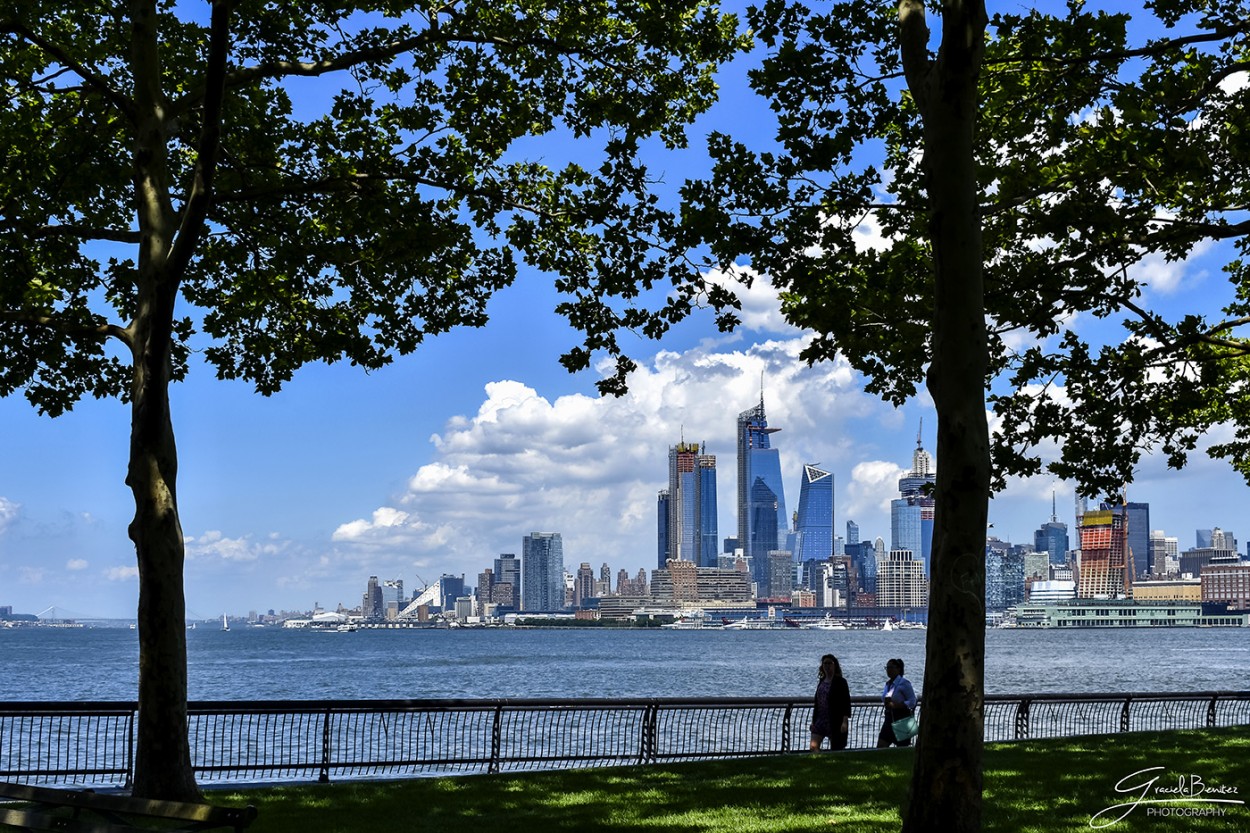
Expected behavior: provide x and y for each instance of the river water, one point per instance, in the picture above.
(275, 663)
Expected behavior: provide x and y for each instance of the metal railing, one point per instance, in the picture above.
(249, 741)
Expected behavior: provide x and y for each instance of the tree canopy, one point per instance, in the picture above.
(1023, 165)
(1094, 151)
(279, 184)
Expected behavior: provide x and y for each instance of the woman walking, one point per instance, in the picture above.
(899, 699)
(831, 714)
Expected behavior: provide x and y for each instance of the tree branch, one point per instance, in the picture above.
(99, 332)
(82, 232)
(94, 79)
(914, 49)
(195, 211)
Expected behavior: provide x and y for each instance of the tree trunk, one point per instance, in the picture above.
(946, 782)
(163, 756)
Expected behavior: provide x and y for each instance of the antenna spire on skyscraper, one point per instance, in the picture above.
(1054, 517)
(919, 431)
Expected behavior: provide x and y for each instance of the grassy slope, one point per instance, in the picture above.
(1053, 785)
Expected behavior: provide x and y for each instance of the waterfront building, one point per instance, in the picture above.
(450, 588)
(684, 584)
(901, 581)
(760, 493)
(911, 515)
(583, 586)
(1049, 592)
(508, 573)
(1104, 570)
(780, 575)
(1052, 537)
(814, 521)
(1227, 585)
(691, 526)
(1168, 590)
(371, 603)
(1121, 613)
(1162, 549)
(864, 557)
(393, 599)
(542, 572)
(1004, 578)
(1194, 561)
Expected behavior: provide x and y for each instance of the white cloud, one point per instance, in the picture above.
(1235, 83)
(75, 564)
(761, 303)
(590, 468)
(1167, 277)
(214, 545)
(30, 575)
(8, 513)
(121, 573)
(873, 485)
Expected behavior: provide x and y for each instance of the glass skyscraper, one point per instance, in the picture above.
(759, 491)
(815, 518)
(542, 571)
(1052, 537)
(688, 525)
(911, 515)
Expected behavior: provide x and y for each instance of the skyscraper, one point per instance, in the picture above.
(1052, 537)
(815, 518)
(759, 491)
(689, 526)
(1137, 519)
(911, 515)
(542, 571)
(508, 572)
(662, 502)
(1103, 570)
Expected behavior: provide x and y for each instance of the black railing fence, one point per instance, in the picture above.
(237, 741)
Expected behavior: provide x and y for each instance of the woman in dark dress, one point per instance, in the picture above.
(831, 715)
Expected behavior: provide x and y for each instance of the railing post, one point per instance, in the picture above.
(785, 729)
(130, 751)
(647, 743)
(1022, 718)
(496, 731)
(324, 777)
(1124, 714)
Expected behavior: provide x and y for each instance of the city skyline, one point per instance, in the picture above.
(446, 458)
(62, 533)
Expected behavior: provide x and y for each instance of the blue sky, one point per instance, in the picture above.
(446, 459)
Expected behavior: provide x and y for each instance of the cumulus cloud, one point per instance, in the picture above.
(121, 573)
(75, 564)
(1168, 277)
(873, 485)
(590, 468)
(214, 545)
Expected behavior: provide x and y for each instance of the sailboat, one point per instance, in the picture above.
(225, 626)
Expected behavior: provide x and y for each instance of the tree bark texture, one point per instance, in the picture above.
(946, 786)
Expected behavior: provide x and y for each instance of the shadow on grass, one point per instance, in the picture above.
(1053, 785)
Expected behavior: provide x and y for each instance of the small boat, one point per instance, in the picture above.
(887, 625)
(225, 625)
(826, 624)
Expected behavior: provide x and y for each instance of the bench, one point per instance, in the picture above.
(84, 811)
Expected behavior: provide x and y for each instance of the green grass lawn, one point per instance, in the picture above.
(1052, 785)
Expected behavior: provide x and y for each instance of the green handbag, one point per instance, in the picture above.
(906, 728)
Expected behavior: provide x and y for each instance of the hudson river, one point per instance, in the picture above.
(273, 663)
